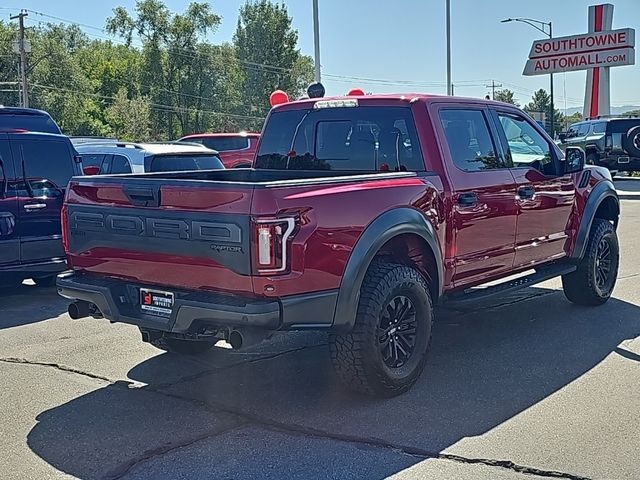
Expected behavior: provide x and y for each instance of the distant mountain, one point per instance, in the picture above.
(614, 110)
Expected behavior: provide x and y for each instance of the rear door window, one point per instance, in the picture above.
(175, 163)
(343, 138)
(120, 164)
(92, 160)
(469, 140)
(44, 160)
(600, 127)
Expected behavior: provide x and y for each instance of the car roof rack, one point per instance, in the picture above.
(112, 143)
(90, 139)
(176, 142)
(620, 115)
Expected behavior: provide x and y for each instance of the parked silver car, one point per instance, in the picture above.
(112, 156)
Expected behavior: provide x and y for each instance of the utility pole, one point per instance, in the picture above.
(23, 58)
(316, 40)
(493, 88)
(449, 84)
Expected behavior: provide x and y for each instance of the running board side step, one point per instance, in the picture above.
(541, 274)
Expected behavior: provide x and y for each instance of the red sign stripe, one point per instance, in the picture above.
(595, 86)
(598, 19)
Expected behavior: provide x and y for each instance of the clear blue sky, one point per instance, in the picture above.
(405, 41)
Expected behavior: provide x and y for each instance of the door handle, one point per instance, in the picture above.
(527, 192)
(29, 207)
(467, 199)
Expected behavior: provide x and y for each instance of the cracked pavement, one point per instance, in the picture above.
(527, 387)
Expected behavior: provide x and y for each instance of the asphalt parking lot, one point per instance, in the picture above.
(529, 387)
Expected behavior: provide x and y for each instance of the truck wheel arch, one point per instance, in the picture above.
(602, 203)
(384, 229)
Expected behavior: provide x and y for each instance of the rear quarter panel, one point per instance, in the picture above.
(332, 219)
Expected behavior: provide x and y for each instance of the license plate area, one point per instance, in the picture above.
(156, 302)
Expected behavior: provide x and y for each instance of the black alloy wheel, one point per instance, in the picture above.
(397, 331)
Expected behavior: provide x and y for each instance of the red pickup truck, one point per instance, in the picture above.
(360, 214)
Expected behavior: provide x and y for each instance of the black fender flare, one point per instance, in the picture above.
(603, 190)
(390, 224)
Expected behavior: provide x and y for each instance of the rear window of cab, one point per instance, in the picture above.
(341, 138)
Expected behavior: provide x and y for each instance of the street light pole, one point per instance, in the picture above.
(539, 25)
(316, 40)
(449, 84)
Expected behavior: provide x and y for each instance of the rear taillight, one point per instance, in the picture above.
(64, 220)
(271, 250)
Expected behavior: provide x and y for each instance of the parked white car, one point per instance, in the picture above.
(112, 156)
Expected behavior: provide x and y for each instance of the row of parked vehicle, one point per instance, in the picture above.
(37, 161)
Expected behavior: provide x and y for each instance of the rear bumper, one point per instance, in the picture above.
(621, 162)
(47, 267)
(119, 301)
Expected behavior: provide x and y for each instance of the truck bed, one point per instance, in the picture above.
(196, 230)
(256, 177)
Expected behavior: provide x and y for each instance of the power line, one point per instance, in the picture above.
(153, 105)
(140, 45)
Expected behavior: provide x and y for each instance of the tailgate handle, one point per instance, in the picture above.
(143, 196)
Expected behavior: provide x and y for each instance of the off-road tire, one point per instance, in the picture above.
(632, 141)
(182, 347)
(581, 287)
(357, 356)
(45, 282)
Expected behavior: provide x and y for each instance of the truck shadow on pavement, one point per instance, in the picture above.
(485, 367)
(18, 308)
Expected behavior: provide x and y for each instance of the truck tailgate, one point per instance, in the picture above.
(192, 235)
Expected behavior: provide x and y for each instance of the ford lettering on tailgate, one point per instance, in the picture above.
(216, 236)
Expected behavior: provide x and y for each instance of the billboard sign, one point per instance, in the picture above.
(581, 52)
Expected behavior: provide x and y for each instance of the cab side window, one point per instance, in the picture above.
(583, 131)
(469, 140)
(525, 146)
(573, 130)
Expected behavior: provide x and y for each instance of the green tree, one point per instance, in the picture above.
(631, 113)
(267, 48)
(173, 54)
(130, 119)
(57, 82)
(571, 119)
(541, 102)
(506, 96)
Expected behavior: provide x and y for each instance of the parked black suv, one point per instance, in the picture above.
(609, 142)
(34, 171)
(30, 119)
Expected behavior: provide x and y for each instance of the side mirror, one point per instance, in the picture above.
(562, 136)
(91, 170)
(574, 159)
